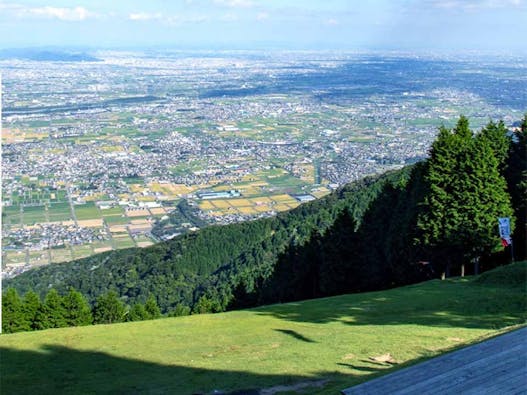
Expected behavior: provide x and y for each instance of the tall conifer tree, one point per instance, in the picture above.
(13, 317)
(77, 311)
(109, 309)
(31, 307)
(466, 194)
(51, 313)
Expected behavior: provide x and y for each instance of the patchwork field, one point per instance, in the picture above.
(249, 206)
(264, 191)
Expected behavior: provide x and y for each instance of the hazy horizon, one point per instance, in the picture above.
(402, 25)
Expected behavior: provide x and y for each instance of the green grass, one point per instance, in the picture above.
(325, 339)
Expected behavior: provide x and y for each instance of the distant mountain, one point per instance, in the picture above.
(47, 55)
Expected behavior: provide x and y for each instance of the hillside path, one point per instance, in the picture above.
(495, 366)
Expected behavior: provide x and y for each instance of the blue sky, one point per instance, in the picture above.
(448, 25)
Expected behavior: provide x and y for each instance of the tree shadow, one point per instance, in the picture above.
(374, 253)
(450, 303)
(296, 335)
(360, 368)
(56, 369)
(62, 370)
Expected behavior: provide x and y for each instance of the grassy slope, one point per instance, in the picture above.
(329, 338)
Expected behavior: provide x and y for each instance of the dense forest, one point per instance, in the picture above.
(435, 218)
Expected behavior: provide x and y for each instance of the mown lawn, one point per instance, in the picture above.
(329, 342)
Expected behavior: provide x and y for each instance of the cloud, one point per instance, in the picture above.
(64, 14)
(475, 5)
(70, 14)
(234, 3)
(167, 19)
(143, 16)
(332, 22)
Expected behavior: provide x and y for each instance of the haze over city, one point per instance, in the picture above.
(410, 25)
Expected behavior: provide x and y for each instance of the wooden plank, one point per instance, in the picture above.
(506, 385)
(450, 362)
(476, 374)
(500, 363)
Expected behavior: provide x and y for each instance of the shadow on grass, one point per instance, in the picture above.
(357, 367)
(451, 303)
(61, 370)
(296, 335)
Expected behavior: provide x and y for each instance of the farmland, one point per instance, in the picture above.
(81, 166)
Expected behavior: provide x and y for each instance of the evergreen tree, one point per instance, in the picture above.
(77, 311)
(517, 183)
(137, 313)
(13, 316)
(481, 198)
(438, 220)
(109, 309)
(51, 313)
(179, 310)
(499, 142)
(466, 194)
(31, 307)
(152, 309)
(338, 269)
(206, 305)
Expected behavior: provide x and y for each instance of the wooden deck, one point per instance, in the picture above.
(495, 366)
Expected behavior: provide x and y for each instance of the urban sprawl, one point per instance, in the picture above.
(134, 149)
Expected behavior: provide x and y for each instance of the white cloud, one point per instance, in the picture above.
(475, 5)
(332, 22)
(70, 14)
(143, 16)
(64, 14)
(167, 19)
(234, 3)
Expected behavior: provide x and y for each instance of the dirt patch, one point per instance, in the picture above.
(384, 358)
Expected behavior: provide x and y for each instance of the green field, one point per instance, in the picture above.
(59, 212)
(123, 240)
(80, 251)
(11, 215)
(329, 341)
(34, 214)
(87, 211)
(60, 255)
(112, 211)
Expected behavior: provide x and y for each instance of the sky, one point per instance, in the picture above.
(446, 25)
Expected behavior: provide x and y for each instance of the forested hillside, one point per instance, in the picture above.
(394, 229)
(213, 259)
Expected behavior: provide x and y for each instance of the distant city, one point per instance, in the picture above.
(124, 149)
